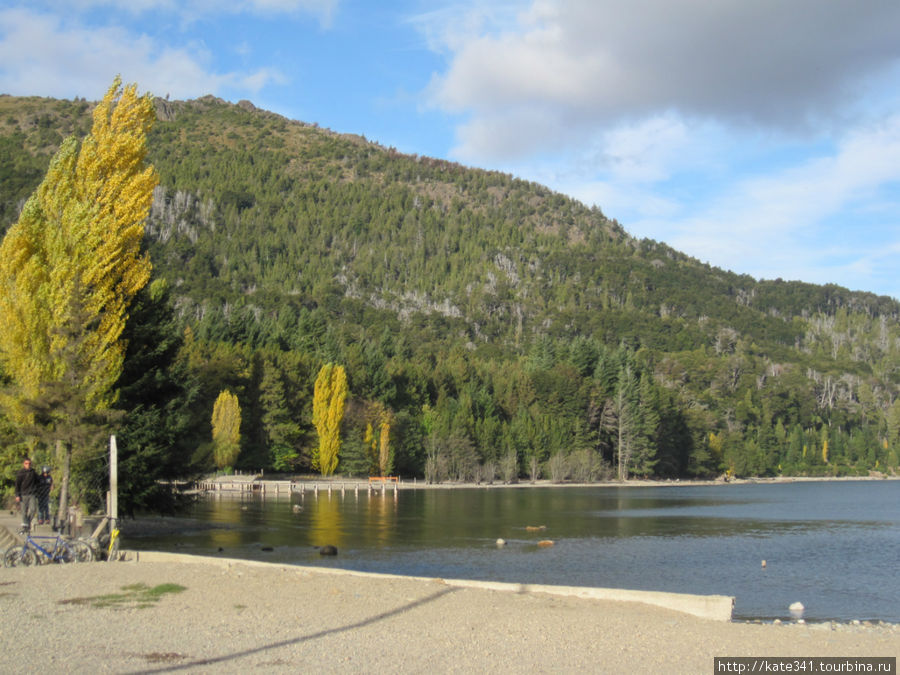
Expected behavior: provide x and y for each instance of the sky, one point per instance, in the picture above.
(760, 136)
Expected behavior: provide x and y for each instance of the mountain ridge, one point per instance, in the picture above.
(279, 234)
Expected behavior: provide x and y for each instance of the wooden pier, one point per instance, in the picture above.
(256, 485)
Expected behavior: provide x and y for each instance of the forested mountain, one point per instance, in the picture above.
(497, 328)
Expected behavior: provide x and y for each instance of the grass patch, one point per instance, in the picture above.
(135, 595)
(164, 657)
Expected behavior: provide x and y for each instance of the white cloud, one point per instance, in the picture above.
(586, 63)
(41, 54)
(782, 224)
(448, 29)
(646, 151)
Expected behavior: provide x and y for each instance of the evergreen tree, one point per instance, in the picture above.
(157, 394)
(646, 441)
(620, 417)
(283, 433)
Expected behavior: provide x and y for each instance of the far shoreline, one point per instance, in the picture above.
(353, 483)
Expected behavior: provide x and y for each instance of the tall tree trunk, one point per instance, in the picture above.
(62, 511)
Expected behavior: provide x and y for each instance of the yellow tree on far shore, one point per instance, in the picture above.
(329, 396)
(385, 456)
(226, 429)
(377, 439)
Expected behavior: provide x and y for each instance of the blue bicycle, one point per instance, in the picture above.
(55, 549)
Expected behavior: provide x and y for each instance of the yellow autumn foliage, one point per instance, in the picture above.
(329, 394)
(77, 244)
(384, 455)
(226, 429)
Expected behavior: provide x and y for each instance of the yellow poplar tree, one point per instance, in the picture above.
(226, 429)
(384, 456)
(69, 269)
(328, 411)
(76, 248)
(371, 445)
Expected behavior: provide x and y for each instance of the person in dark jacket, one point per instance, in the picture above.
(45, 484)
(26, 493)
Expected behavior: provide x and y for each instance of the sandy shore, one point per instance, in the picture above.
(234, 617)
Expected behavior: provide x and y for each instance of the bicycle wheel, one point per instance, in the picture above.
(81, 551)
(63, 553)
(18, 555)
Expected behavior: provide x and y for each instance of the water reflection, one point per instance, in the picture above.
(326, 522)
(380, 516)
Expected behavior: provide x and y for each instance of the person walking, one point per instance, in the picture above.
(26, 493)
(45, 484)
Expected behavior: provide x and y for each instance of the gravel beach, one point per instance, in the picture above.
(235, 617)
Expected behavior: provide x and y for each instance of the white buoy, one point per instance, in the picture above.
(501, 543)
(797, 609)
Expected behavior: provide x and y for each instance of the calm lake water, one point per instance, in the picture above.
(834, 546)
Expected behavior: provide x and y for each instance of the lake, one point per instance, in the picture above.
(833, 546)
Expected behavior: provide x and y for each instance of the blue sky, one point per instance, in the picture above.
(761, 136)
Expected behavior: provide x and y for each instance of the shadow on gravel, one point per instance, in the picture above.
(305, 638)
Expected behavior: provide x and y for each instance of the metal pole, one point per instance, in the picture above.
(113, 484)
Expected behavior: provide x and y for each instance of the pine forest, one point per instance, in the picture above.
(320, 303)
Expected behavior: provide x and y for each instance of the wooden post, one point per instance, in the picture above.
(62, 513)
(113, 484)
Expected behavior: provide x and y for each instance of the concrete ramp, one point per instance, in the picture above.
(712, 607)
